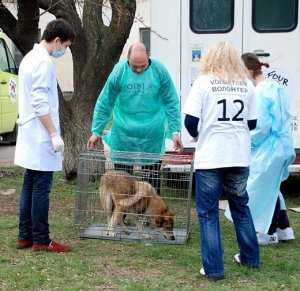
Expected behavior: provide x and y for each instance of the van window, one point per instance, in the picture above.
(3, 58)
(274, 16)
(11, 62)
(145, 37)
(211, 16)
(18, 56)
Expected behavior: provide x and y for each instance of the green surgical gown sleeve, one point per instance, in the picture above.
(170, 100)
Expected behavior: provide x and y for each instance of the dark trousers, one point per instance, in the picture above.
(34, 206)
(280, 219)
(150, 173)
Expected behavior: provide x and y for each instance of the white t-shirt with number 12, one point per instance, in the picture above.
(223, 109)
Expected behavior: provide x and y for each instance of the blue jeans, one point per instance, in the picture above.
(210, 185)
(34, 206)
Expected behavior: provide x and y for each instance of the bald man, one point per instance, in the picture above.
(138, 58)
(143, 101)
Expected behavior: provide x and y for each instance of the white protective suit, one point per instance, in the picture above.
(272, 152)
(37, 97)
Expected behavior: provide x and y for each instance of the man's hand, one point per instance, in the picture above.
(177, 142)
(57, 142)
(92, 142)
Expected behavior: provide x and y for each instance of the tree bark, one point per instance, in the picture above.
(96, 49)
(24, 30)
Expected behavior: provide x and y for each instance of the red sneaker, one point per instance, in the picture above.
(24, 244)
(51, 247)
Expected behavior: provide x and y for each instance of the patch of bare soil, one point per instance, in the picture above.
(7, 192)
(9, 172)
(9, 204)
(3, 285)
(113, 272)
(63, 206)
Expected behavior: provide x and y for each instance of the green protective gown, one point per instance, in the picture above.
(145, 109)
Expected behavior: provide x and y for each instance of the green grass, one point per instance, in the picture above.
(114, 265)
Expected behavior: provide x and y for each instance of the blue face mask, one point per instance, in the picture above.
(58, 53)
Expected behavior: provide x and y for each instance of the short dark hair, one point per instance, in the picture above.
(58, 28)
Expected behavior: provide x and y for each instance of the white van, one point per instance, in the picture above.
(183, 29)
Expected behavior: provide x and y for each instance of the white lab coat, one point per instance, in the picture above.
(37, 97)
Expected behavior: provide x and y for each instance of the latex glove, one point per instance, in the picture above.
(177, 142)
(57, 142)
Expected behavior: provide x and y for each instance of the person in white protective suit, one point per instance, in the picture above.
(272, 152)
(39, 145)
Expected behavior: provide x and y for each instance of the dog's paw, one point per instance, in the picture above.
(147, 236)
(126, 231)
(111, 233)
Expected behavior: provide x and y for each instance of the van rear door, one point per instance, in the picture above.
(271, 30)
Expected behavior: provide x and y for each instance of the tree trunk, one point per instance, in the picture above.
(104, 46)
(96, 49)
(75, 131)
(24, 31)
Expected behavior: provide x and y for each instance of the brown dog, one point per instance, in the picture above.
(121, 193)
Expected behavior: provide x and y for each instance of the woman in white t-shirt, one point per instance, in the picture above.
(220, 110)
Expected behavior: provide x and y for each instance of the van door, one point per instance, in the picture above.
(271, 30)
(8, 90)
(205, 22)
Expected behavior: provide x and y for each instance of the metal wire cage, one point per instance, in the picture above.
(134, 196)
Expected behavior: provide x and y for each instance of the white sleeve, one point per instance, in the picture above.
(193, 104)
(41, 84)
(252, 111)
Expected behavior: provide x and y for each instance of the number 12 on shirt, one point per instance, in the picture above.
(223, 103)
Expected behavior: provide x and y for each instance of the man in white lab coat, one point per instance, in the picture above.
(39, 144)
